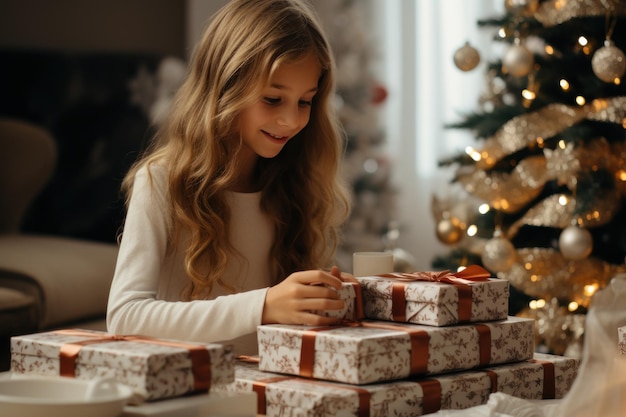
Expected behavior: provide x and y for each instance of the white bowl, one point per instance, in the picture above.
(33, 396)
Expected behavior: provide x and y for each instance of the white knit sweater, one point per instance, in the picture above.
(145, 292)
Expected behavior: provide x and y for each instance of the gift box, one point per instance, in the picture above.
(153, 368)
(371, 351)
(621, 334)
(543, 377)
(351, 294)
(436, 298)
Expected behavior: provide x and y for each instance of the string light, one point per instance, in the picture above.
(564, 84)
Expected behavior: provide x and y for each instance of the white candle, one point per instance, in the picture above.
(371, 263)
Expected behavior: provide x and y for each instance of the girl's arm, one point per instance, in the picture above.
(143, 271)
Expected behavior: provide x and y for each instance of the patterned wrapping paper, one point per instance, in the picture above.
(154, 368)
(351, 294)
(434, 303)
(621, 334)
(543, 377)
(373, 351)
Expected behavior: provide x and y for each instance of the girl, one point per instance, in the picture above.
(235, 209)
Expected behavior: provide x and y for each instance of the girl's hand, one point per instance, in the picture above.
(292, 301)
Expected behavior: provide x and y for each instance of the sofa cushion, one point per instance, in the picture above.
(17, 312)
(68, 278)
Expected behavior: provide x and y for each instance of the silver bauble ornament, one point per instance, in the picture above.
(449, 231)
(498, 254)
(466, 58)
(575, 243)
(518, 60)
(608, 63)
(403, 261)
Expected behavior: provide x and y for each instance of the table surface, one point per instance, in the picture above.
(215, 404)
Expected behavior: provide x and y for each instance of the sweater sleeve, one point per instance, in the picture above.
(134, 306)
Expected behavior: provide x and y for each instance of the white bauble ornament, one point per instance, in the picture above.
(608, 63)
(518, 60)
(499, 254)
(575, 243)
(466, 58)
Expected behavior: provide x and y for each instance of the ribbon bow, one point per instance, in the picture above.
(472, 273)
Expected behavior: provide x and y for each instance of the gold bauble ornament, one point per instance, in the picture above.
(526, 7)
(449, 230)
(575, 243)
(518, 60)
(609, 63)
(466, 58)
(499, 254)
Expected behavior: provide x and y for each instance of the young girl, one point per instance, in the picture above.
(233, 214)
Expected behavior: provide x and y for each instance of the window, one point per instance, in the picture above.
(426, 91)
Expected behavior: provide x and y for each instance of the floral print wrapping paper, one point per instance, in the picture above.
(152, 370)
(621, 334)
(288, 396)
(435, 303)
(376, 351)
(348, 293)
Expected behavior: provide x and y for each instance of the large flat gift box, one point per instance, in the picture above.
(435, 298)
(543, 377)
(621, 334)
(371, 351)
(154, 368)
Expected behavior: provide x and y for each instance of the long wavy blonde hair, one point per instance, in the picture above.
(301, 190)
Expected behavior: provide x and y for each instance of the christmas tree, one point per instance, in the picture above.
(541, 193)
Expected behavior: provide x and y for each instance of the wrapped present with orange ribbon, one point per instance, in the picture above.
(153, 368)
(621, 334)
(542, 377)
(352, 296)
(436, 298)
(371, 351)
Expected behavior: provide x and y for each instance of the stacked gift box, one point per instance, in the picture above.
(408, 345)
(154, 368)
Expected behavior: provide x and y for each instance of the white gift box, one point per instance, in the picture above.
(351, 295)
(373, 351)
(433, 302)
(543, 377)
(154, 368)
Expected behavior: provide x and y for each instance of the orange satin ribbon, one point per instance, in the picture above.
(460, 280)
(549, 381)
(259, 388)
(359, 312)
(199, 355)
(493, 377)
(431, 399)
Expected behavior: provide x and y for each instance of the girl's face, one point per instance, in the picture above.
(282, 110)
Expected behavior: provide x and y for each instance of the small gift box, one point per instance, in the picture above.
(371, 351)
(621, 334)
(544, 377)
(436, 298)
(154, 368)
(351, 295)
